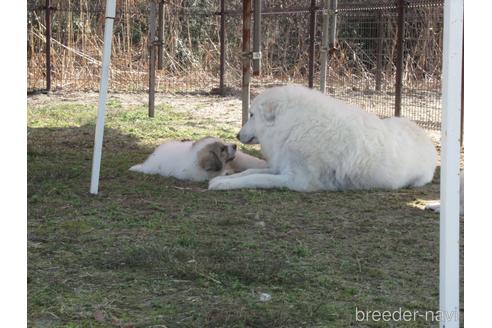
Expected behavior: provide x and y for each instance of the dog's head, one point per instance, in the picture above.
(263, 114)
(213, 154)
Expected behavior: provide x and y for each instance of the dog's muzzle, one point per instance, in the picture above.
(250, 141)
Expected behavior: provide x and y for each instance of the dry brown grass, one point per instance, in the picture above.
(192, 47)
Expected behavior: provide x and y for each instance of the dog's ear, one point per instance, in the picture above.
(211, 162)
(269, 111)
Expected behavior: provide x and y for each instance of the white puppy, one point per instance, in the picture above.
(197, 161)
(314, 142)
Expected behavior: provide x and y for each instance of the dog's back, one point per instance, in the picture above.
(173, 158)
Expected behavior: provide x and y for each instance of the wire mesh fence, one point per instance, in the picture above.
(362, 69)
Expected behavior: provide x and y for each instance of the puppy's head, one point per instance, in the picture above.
(214, 154)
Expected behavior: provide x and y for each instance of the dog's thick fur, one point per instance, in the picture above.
(314, 142)
(197, 161)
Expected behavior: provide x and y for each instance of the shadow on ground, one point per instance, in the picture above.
(151, 250)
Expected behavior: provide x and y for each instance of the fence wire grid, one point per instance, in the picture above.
(362, 68)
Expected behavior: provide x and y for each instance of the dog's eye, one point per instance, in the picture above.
(251, 115)
(223, 148)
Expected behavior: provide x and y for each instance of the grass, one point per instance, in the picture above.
(154, 251)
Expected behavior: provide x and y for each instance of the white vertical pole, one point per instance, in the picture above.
(103, 92)
(449, 286)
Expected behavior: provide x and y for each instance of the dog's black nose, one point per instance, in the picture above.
(237, 136)
(234, 146)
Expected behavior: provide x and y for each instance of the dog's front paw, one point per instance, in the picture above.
(436, 207)
(218, 183)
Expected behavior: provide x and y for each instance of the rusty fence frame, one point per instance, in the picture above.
(158, 31)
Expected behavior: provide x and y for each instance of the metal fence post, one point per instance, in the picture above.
(329, 41)
(324, 46)
(462, 125)
(379, 52)
(399, 59)
(257, 38)
(312, 32)
(160, 36)
(332, 42)
(246, 60)
(152, 59)
(48, 45)
(222, 47)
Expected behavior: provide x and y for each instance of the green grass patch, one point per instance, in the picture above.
(154, 251)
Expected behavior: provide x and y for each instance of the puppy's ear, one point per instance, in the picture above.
(269, 111)
(211, 162)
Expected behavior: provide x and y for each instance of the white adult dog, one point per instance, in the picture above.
(314, 142)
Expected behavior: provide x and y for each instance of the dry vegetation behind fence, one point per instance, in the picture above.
(366, 33)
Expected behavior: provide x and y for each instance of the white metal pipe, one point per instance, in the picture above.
(103, 93)
(449, 283)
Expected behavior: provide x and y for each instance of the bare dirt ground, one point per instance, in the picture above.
(225, 110)
(217, 108)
